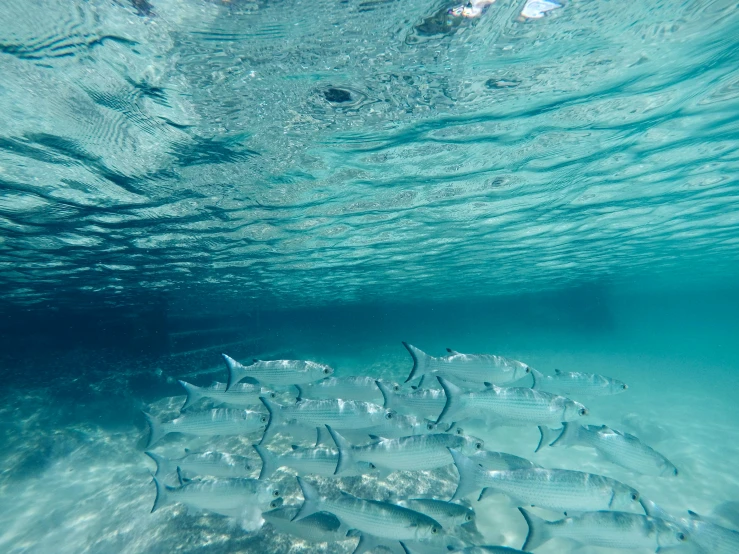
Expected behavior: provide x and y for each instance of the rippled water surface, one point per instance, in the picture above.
(313, 151)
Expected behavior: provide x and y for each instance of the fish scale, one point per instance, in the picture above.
(376, 518)
(607, 529)
(478, 368)
(344, 414)
(422, 402)
(619, 448)
(219, 421)
(513, 404)
(276, 372)
(412, 453)
(555, 489)
(576, 383)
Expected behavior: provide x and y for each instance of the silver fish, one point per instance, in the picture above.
(215, 464)
(319, 527)
(362, 388)
(500, 461)
(608, 529)
(555, 489)
(243, 498)
(577, 384)
(420, 402)
(709, 537)
(306, 461)
(449, 514)
(371, 517)
(220, 421)
(240, 395)
(515, 405)
(344, 414)
(406, 453)
(616, 447)
(478, 368)
(276, 372)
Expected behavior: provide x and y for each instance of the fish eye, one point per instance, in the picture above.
(674, 472)
(634, 496)
(583, 411)
(681, 537)
(274, 505)
(273, 395)
(459, 431)
(430, 426)
(389, 415)
(263, 419)
(275, 493)
(528, 369)
(434, 530)
(478, 445)
(326, 370)
(468, 517)
(396, 388)
(624, 386)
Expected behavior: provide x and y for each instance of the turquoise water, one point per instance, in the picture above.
(285, 179)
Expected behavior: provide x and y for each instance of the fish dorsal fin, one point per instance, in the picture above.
(376, 438)
(488, 385)
(294, 447)
(187, 451)
(694, 516)
(558, 372)
(345, 494)
(255, 361)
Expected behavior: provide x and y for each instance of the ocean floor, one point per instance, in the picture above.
(75, 478)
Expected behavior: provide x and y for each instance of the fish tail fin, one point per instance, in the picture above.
(547, 435)
(570, 435)
(193, 394)
(311, 500)
(322, 436)
(345, 452)
(539, 531)
(420, 361)
(301, 392)
(537, 376)
(235, 371)
(275, 419)
(468, 473)
(387, 394)
(269, 462)
(162, 497)
(161, 462)
(156, 431)
(453, 401)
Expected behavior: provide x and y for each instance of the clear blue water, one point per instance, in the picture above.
(324, 179)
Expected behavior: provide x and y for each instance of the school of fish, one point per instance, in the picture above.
(366, 429)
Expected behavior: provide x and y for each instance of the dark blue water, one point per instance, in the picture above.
(553, 182)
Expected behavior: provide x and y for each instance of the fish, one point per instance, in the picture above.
(517, 405)
(577, 384)
(451, 515)
(241, 498)
(219, 421)
(619, 448)
(420, 402)
(344, 414)
(609, 529)
(360, 387)
(240, 395)
(215, 464)
(710, 537)
(493, 461)
(369, 517)
(276, 372)
(319, 527)
(412, 453)
(555, 489)
(306, 461)
(478, 368)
